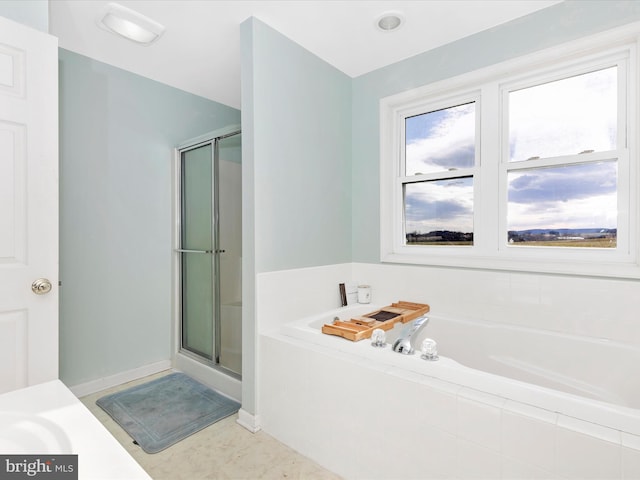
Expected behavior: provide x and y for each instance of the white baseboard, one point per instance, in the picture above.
(94, 386)
(248, 421)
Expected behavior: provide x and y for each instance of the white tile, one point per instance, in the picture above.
(479, 422)
(630, 441)
(630, 463)
(441, 386)
(524, 289)
(515, 470)
(482, 397)
(591, 429)
(439, 410)
(530, 411)
(316, 292)
(474, 461)
(584, 457)
(529, 440)
(433, 456)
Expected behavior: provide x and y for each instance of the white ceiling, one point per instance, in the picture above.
(200, 49)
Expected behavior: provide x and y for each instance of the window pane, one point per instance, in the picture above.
(441, 140)
(439, 212)
(569, 206)
(564, 117)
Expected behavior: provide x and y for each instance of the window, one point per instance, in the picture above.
(564, 127)
(526, 165)
(440, 160)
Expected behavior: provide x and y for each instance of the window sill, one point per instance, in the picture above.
(622, 270)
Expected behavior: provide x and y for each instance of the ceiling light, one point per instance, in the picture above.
(130, 24)
(390, 21)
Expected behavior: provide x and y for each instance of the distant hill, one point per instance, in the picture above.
(566, 231)
(546, 235)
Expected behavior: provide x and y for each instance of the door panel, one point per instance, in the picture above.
(211, 251)
(28, 205)
(197, 261)
(230, 246)
(13, 194)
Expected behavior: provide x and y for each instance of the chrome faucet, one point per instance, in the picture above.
(403, 343)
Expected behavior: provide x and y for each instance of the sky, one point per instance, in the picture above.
(559, 118)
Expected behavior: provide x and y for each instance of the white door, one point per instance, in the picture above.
(28, 206)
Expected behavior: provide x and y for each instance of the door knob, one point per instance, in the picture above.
(41, 286)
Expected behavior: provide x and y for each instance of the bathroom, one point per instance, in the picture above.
(330, 166)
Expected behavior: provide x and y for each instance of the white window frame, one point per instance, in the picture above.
(401, 179)
(489, 88)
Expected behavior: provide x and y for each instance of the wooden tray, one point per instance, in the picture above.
(385, 318)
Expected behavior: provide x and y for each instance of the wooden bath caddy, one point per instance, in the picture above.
(385, 318)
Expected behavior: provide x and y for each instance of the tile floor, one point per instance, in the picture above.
(224, 450)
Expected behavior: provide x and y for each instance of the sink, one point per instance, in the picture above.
(23, 434)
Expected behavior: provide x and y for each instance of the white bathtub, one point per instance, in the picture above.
(48, 420)
(579, 396)
(597, 369)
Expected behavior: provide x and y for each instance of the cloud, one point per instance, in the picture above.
(436, 211)
(565, 117)
(576, 196)
(592, 212)
(553, 119)
(439, 205)
(441, 140)
(562, 184)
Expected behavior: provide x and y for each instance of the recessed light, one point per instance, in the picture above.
(130, 24)
(390, 21)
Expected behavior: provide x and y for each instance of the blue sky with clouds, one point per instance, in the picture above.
(553, 119)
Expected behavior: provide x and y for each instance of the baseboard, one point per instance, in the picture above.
(94, 386)
(249, 421)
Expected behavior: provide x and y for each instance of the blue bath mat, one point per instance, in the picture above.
(164, 411)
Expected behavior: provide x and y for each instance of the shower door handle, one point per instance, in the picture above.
(184, 250)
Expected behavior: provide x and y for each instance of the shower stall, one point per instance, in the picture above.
(208, 259)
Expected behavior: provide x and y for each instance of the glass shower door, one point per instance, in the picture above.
(229, 237)
(197, 259)
(211, 252)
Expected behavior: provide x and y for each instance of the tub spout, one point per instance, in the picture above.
(403, 343)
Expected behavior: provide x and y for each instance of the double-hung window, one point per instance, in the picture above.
(564, 154)
(440, 162)
(530, 165)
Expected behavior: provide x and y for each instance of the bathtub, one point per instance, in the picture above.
(501, 402)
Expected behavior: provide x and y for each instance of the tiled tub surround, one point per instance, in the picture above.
(581, 366)
(369, 413)
(372, 413)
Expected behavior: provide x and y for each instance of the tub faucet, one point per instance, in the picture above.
(403, 343)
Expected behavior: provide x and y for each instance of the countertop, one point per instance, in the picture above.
(47, 419)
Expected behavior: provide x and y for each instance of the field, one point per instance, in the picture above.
(583, 243)
(442, 243)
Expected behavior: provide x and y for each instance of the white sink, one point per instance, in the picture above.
(26, 433)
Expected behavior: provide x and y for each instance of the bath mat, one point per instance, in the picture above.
(164, 411)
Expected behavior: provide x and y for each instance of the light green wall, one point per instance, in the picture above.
(249, 323)
(296, 168)
(548, 27)
(302, 151)
(117, 134)
(34, 13)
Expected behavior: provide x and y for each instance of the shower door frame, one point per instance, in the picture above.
(218, 376)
